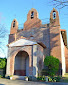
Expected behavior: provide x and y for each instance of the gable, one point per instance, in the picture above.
(21, 42)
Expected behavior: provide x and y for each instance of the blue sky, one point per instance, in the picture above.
(10, 9)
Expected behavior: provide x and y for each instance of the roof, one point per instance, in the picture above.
(64, 36)
(21, 42)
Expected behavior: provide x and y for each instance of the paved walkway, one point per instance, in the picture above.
(21, 82)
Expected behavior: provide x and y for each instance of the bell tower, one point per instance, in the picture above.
(14, 26)
(32, 20)
(54, 18)
(55, 40)
(13, 31)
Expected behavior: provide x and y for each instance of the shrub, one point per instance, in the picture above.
(54, 79)
(52, 65)
(2, 63)
(58, 78)
(41, 78)
(49, 79)
(1, 76)
(3, 66)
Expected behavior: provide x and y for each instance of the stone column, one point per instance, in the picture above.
(8, 64)
(35, 68)
(31, 61)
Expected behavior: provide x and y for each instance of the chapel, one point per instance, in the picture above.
(28, 47)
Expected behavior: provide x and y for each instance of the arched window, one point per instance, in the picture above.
(32, 15)
(54, 15)
(14, 24)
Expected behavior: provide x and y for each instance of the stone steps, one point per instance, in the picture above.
(16, 77)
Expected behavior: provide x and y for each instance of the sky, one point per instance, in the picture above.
(10, 9)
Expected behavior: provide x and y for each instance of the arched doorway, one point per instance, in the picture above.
(21, 64)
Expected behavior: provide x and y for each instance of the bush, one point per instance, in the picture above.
(58, 78)
(42, 78)
(52, 65)
(1, 76)
(50, 79)
(54, 79)
(2, 63)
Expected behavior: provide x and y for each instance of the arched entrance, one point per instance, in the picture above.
(21, 64)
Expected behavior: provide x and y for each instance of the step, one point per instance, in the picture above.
(16, 77)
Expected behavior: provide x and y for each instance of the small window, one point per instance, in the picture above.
(32, 15)
(14, 24)
(54, 15)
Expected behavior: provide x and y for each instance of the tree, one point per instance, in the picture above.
(3, 63)
(3, 37)
(52, 65)
(60, 3)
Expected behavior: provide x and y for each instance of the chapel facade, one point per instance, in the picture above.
(28, 47)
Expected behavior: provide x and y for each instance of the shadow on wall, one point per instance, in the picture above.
(40, 34)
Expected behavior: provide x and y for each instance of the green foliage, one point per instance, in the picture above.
(2, 63)
(52, 65)
(58, 78)
(0, 76)
(42, 78)
(3, 66)
(54, 79)
(50, 79)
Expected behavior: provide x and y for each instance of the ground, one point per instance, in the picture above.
(21, 82)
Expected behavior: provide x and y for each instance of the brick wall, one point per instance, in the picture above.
(55, 45)
(66, 58)
(32, 22)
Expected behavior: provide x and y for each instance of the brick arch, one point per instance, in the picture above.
(19, 51)
(12, 58)
(21, 66)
